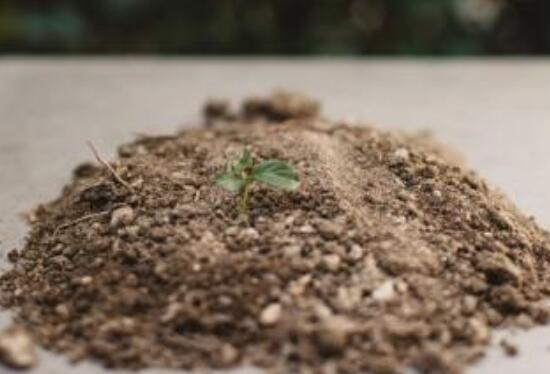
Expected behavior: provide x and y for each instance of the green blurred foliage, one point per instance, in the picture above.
(356, 27)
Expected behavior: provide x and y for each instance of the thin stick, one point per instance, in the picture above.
(109, 167)
(78, 220)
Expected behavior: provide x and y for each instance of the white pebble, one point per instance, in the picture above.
(122, 216)
(17, 348)
(384, 292)
(332, 262)
(271, 314)
(401, 154)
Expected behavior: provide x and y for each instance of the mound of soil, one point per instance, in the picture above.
(389, 255)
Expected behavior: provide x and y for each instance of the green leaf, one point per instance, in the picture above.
(230, 182)
(276, 174)
(244, 162)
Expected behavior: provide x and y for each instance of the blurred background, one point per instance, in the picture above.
(278, 27)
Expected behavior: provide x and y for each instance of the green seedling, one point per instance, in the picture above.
(241, 176)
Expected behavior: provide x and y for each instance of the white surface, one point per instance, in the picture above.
(496, 112)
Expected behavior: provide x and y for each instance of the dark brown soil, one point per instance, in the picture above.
(389, 255)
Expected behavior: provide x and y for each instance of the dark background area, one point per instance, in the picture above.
(289, 27)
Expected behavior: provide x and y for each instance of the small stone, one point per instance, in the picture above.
(480, 330)
(122, 216)
(401, 286)
(298, 287)
(208, 237)
(138, 183)
(161, 270)
(329, 229)
(229, 354)
(385, 292)
(225, 300)
(13, 255)
(510, 349)
(334, 332)
(57, 250)
(125, 151)
(292, 251)
(435, 360)
(271, 314)
(356, 252)
(62, 310)
(401, 154)
(525, 321)
(469, 304)
(306, 229)
(132, 231)
(171, 312)
(289, 221)
(31, 216)
(322, 310)
(348, 298)
(216, 109)
(86, 280)
(17, 348)
(249, 234)
(332, 262)
(232, 231)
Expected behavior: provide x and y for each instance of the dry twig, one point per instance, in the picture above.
(86, 218)
(78, 220)
(109, 167)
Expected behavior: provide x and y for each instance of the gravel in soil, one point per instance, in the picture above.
(391, 254)
(17, 348)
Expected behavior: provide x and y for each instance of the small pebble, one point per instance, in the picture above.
(510, 349)
(86, 280)
(356, 252)
(329, 229)
(334, 333)
(332, 262)
(291, 251)
(249, 234)
(469, 304)
(271, 314)
(306, 229)
(228, 354)
(122, 216)
(402, 154)
(17, 348)
(385, 292)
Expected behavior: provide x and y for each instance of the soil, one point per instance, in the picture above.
(391, 254)
(510, 349)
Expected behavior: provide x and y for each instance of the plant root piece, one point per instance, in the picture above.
(109, 167)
